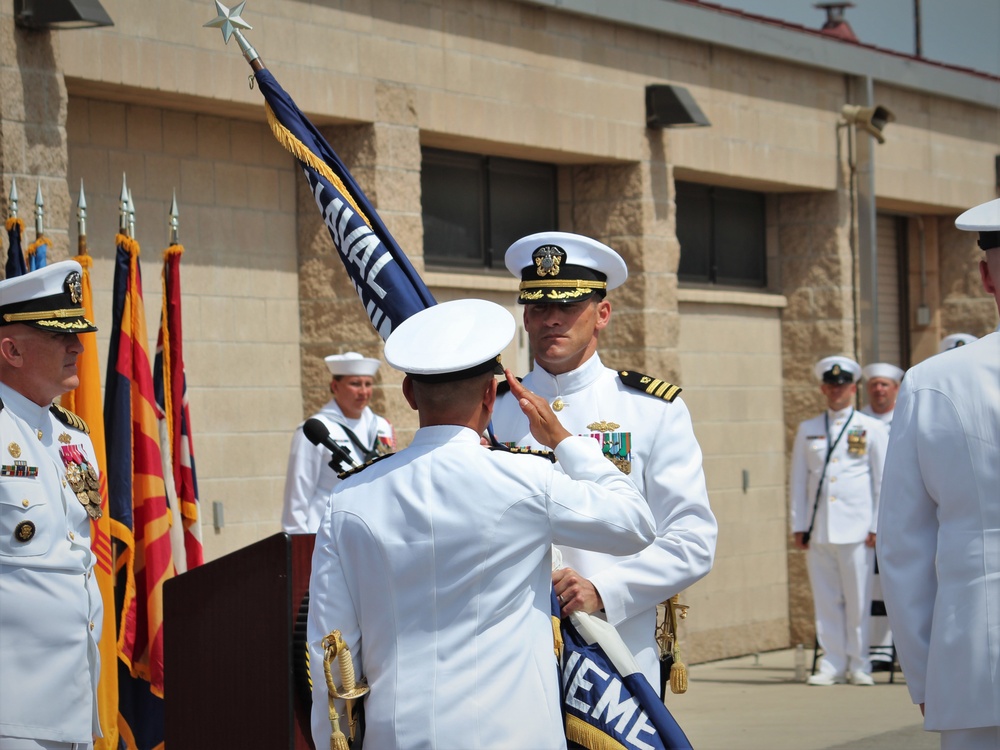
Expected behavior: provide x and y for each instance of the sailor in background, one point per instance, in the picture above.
(834, 483)
(641, 424)
(50, 607)
(309, 479)
(435, 562)
(881, 387)
(955, 340)
(939, 528)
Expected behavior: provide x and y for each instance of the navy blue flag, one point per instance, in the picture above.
(607, 701)
(15, 265)
(389, 287)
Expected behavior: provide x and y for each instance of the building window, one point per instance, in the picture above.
(721, 232)
(475, 206)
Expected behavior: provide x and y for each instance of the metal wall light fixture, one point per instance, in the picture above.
(42, 15)
(672, 107)
(870, 119)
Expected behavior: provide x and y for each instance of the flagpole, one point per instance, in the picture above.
(39, 212)
(81, 222)
(12, 201)
(174, 221)
(231, 23)
(123, 208)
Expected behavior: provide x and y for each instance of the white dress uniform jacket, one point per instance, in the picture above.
(939, 540)
(664, 459)
(50, 606)
(435, 564)
(848, 503)
(309, 479)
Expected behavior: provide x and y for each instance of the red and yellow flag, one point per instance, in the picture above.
(85, 400)
(137, 498)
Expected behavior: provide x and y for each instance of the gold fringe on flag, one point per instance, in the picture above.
(13, 221)
(33, 247)
(301, 152)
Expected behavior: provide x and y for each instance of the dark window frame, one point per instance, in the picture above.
(491, 215)
(710, 227)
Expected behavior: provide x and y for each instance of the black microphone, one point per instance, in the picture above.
(319, 434)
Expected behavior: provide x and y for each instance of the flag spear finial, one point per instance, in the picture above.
(123, 208)
(39, 211)
(81, 212)
(12, 210)
(231, 22)
(174, 221)
(131, 215)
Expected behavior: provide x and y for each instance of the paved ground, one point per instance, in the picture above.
(754, 703)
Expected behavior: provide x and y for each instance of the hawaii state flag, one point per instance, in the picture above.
(389, 287)
(85, 401)
(173, 412)
(15, 265)
(137, 497)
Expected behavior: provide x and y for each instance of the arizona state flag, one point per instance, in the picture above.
(85, 400)
(137, 498)
(170, 387)
(389, 287)
(15, 265)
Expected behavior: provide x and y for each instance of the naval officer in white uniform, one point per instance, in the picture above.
(939, 527)
(50, 606)
(435, 562)
(834, 485)
(353, 426)
(882, 388)
(641, 424)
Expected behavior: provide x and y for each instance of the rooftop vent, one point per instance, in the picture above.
(836, 25)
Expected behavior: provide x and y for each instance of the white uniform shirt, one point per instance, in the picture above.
(885, 418)
(435, 565)
(939, 545)
(50, 606)
(309, 479)
(848, 502)
(655, 440)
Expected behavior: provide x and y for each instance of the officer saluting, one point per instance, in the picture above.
(435, 562)
(642, 426)
(50, 606)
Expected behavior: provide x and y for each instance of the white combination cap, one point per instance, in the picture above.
(882, 370)
(351, 363)
(985, 219)
(451, 341)
(837, 370)
(50, 298)
(563, 267)
(955, 340)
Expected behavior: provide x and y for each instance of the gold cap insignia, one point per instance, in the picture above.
(548, 260)
(74, 287)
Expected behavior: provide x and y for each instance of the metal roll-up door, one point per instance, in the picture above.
(890, 332)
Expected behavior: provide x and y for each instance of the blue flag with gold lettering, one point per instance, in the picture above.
(389, 287)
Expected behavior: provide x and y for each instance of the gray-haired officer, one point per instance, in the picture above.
(50, 607)
(435, 562)
(642, 426)
(834, 483)
(939, 540)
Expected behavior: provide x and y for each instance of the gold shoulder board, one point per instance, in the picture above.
(69, 419)
(525, 451)
(652, 386)
(359, 469)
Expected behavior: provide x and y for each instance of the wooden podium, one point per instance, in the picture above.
(230, 669)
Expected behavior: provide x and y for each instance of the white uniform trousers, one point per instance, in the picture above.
(20, 743)
(840, 575)
(980, 738)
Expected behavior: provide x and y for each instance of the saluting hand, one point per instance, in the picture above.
(545, 426)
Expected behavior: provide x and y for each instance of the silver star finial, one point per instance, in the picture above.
(228, 20)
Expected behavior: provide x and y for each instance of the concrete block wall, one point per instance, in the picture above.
(236, 197)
